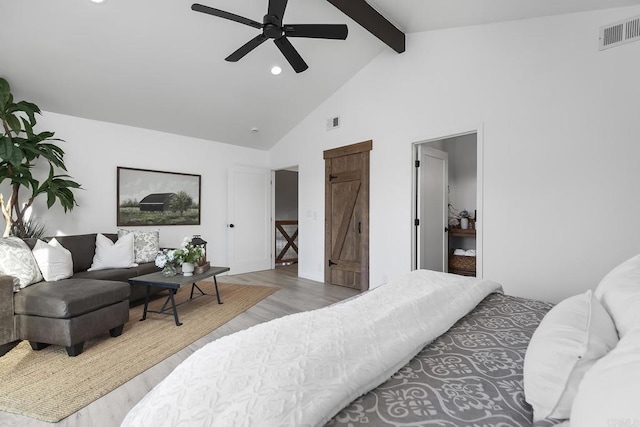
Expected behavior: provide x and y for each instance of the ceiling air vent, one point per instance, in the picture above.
(619, 33)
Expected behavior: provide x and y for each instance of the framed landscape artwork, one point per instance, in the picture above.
(150, 197)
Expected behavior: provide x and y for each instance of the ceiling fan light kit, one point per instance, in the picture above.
(273, 28)
(276, 70)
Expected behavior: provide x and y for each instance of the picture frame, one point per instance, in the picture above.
(152, 197)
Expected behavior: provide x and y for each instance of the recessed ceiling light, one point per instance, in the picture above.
(98, 1)
(255, 130)
(276, 70)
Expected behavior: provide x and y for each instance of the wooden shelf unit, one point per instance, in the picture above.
(453, 232)
(459, 232)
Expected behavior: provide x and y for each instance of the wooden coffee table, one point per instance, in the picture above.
(173, 283)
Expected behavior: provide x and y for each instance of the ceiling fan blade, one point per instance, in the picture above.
(226, 15)
(246, 48)
(276, 8)
(317, 31)
(291, 54)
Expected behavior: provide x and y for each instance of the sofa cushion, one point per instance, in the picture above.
(113, 255)
(82, 248)
(69, 298)
(54, 260)
(146, 244)
(17, 260)
(118, 274)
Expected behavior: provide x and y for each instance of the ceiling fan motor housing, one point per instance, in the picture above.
(272, 27)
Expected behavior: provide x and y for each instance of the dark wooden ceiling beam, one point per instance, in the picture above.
(371, 20)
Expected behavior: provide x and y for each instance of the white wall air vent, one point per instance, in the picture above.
(619, 33)
(333, 123)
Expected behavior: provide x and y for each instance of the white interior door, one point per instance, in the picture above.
(249, 219)
(433, 202)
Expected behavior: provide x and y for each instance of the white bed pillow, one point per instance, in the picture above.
(146, 244)
(54, 260)
(619, 292)
(608, 394)
(17, 260)
(113, 255)
(570, 339)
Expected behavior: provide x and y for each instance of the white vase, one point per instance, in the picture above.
(187, 268)
(464, 223)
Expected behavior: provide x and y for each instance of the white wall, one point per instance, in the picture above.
(559, 121)
(95, 149)
(463, 170)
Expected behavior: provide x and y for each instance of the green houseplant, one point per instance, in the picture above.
(20, 151)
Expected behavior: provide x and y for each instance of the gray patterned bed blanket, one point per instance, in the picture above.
(469, 376)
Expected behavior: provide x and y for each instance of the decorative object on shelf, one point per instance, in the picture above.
(169, 270)
(462, 264)
(22, 151)
(188, 253)
(464, 219)
(202, 268)
(188, 268)
(197, 241)
(167, 261)
(202, 264)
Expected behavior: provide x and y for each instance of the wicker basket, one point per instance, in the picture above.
(462, 263)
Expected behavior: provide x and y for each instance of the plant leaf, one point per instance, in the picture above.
(5, 94)
(6, 148)
(29, 109)
(14, 123)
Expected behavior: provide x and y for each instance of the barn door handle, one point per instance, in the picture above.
(332, 263)
(359, 227)
(332, 177)
(231, 225)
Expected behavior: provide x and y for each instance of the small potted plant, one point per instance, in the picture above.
(188, 255)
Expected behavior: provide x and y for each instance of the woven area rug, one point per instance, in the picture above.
(49, 385)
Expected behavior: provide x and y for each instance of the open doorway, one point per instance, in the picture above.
(286, 220)
(447, 199)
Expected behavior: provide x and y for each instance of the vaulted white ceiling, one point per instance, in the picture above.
(156, 64)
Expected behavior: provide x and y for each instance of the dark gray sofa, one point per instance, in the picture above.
(70, 311)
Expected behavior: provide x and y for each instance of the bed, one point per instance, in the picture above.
(470, 375)
(430, 349)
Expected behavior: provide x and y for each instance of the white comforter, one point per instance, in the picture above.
(302, 369)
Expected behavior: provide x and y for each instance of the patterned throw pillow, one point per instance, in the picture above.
(146, 244)
(17, 260)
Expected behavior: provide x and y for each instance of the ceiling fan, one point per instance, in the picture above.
(273, 28)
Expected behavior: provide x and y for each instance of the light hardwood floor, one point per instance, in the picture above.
(296, 294)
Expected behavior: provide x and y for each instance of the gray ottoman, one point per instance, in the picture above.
(71, 311)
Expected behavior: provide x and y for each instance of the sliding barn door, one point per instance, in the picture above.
(347, 216)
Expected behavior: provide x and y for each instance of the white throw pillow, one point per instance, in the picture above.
(619, 292)
(113, 255)
(570, 339)
(54, 260)
(17, 260)
(608, 394)
(146, 244)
